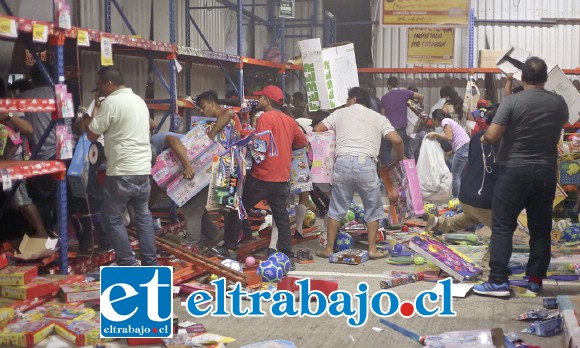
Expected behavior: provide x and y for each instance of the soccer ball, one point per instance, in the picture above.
(449, 213)
(359, 216)
(323, 240)
(571, 233)
(343, 241)
(270, 271)
(309, 219)
(282, 260)
(235, 265)
(430, 209)
(453, 204)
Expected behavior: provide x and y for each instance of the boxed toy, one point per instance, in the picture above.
(80, 292)
(300, 172)
(226, 137)
(454, 263)
(9, 308)
(38, 287)
(61, 312)
(194, 285)
(349, 257)
(17, 275)
(181, 190)
(167, 166)
(323, 155)
(25, 333)
(84, 332)
(413, 188)
(3, 260)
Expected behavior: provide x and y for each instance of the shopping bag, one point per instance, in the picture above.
(472, 95)
(434, 175)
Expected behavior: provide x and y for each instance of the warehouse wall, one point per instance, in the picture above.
(555, 42)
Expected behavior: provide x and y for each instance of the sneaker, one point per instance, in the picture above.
(292, 265)
(491, 289)
(432, 224)
(222, 252)
(535, 287)
(103, 249)
(270, 252)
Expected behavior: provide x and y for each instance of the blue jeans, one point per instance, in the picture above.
(516, 188)
(387, 147)
(457, 165)
(118, 193)
(355, 173)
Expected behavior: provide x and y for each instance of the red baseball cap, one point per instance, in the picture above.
(272, 92)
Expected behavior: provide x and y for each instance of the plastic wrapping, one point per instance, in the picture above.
(434, 175)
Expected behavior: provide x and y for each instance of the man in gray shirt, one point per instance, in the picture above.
(529, 125)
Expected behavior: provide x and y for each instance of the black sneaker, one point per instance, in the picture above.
(223, 253)
(292, 265)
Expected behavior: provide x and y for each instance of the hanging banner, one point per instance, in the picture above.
(430, 46)
(106, 51)
(39, 32)
(426, 12)
(8, 27)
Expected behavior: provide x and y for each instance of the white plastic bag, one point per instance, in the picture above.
(434, 175)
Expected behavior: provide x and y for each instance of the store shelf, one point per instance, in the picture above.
(433, 70)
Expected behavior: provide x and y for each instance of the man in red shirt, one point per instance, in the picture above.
(269, 178)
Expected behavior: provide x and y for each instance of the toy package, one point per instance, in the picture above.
(83, 332)
(227, 175)
(349, 257)
(323, 156)
(450, 261)
(80, 292)
(300, 172)
(17, 275)
(60, 312)
(167, 167)
(25, 333)
(181, 190)
(64, 142)
(38, 287)
(226, 137)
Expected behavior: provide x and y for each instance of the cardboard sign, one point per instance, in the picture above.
(561, 85)
(8, 27)
(106, 51)
(83, 38)
(39, 32)
(430, 46)
(329, 73)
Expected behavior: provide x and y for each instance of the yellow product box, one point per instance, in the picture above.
(17, 275)
(81, 332)
(25, 333)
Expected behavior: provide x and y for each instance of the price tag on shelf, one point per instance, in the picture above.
(83, 38)
(8, 27)
(6, 180)
(106, 51)
(39, 32)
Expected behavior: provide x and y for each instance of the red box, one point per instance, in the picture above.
(81, 291)
(81, 332)
(326, 286)
(25, 333)
(193, 286)
(17, 275)
(38, 287)
(143, 341)
(3, 260)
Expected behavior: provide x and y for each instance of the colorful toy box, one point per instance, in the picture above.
(323, 156)
(167, 167)
(38, 287)
(226, 137)
(81, 292)
(61, 312)
(78, 171)
(300, 172)
(25, 333)
(349, 257)
(455, 264)
(83, 332)
(181, 190)
(17, 275)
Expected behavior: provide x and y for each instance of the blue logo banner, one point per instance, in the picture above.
(136, 302)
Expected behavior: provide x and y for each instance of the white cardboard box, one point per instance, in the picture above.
(35, 248)
(329, 73)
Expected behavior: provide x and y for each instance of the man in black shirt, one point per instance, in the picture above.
(529, 125)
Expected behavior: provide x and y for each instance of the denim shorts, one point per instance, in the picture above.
(356, 174)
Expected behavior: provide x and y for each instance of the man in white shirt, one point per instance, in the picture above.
(359, 131)
(123, 119)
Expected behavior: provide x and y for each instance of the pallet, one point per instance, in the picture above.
(263, 241)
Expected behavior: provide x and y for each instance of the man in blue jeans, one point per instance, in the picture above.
(123, 119)
(359, 131)
(529, 125)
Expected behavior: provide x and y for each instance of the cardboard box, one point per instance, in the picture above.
(561, 85)
(413, 188)
(81, 292)
(38, 287)
(329, 73)
(81, 332)
(349, 257)
(568, 307)
(3, 260)
(226, 137)
(36, 248)
(323, 155)
(25, 333)
(61, 312)
(511, 61)
(488, 58)
(193, 286)
(9, 308)
(182, 190)
(17, 275)
(78, 171)
(300, 172)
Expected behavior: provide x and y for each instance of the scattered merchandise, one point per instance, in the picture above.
(349, 257)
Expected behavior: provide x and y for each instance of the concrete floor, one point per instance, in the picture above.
(473, 312)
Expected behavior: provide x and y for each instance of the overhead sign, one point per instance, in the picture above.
(286, 9)
(430, 46)
(425, 12)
